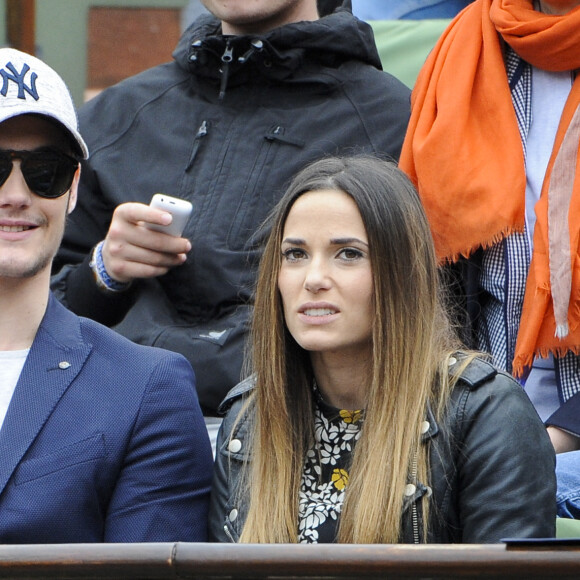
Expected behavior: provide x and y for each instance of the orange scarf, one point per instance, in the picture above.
(463, 151)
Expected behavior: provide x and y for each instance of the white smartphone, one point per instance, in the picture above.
(180, 209)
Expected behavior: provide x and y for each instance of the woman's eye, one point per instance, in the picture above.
(293, 254)
(350, 254)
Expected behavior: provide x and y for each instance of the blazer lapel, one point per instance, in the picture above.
(57, 355)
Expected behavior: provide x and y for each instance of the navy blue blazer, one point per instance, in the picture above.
(103, 441)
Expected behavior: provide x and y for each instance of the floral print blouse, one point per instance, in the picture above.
(326, 469)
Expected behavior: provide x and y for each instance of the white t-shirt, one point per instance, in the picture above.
(550, 91)
(11, 363)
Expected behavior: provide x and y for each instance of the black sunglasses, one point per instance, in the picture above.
(48, 172)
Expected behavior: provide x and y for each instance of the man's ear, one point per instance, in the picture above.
(74, 188)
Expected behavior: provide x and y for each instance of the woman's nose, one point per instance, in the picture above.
(317, 277)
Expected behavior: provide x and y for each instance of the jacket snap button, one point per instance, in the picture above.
(452, 361)
(410, 489)
(233, 515)
(425, 426)
(234, 446)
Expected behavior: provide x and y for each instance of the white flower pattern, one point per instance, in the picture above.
(325, 473)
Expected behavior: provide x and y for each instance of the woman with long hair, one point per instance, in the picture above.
(362, 421)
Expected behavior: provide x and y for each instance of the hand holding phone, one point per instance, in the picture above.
(180, 209)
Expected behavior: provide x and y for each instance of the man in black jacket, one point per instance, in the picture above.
(250, 98)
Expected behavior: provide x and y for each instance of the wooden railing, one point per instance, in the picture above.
(220, 561)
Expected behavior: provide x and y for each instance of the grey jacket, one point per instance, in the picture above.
(492, 466)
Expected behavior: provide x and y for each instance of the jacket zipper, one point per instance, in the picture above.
(414, 515)
(278, 134)
(201, 132)
(227, 58)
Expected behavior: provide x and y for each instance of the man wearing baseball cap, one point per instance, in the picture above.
(102, 440)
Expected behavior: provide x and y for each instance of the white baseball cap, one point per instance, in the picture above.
(30, 86)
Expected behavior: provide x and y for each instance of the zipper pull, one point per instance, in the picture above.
(201, 132)
(257, 46)
(227, 58)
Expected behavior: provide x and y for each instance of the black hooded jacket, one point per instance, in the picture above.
(225, 125)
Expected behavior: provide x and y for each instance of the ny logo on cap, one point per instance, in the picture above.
(18, 78)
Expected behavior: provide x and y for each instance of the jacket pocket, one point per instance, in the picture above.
(84, 451)
(259, 194)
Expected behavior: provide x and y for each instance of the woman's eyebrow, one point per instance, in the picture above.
(341, 241)
(333, 241)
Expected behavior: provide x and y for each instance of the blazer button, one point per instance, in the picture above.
(232, 516)
(410, 489)
(425, 426)
(234, 446)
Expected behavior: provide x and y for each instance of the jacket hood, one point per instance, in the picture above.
(282, 53)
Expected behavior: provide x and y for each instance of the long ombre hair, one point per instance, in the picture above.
(411, 345)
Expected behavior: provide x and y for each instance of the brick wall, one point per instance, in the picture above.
(125, 41)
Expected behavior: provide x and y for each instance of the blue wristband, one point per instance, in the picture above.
(102, 278)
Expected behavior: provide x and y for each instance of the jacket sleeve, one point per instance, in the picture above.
(567, 416)
(506, 465)
(163, 488)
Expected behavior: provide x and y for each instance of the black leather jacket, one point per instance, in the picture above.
(492, 467)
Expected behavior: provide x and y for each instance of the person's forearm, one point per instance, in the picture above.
(563, 441)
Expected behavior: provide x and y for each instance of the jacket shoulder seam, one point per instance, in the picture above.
(241, 389)
(134, 115)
